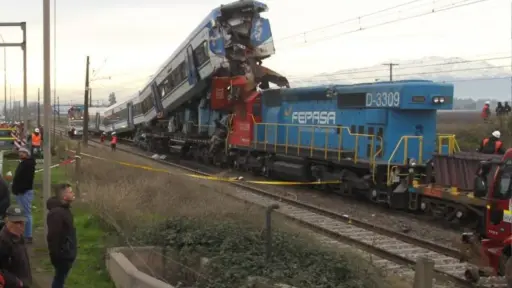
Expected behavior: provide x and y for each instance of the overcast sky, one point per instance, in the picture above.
(135, 37)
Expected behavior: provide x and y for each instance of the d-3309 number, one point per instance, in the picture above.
(383, 99)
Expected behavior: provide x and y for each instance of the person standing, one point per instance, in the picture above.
(14, 260)
(113, 142)
(5, 197)
(22, 187)
(61, 238)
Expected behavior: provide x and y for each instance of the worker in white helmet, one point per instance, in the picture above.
(486, 111)
(492, 145)
(113, 141)
(36, 142)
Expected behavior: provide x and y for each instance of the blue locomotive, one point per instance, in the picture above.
(370, 136)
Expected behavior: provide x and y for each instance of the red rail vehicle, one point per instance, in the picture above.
(491, 249)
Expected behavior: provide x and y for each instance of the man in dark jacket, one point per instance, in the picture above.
(61, 236)
(22, 185)
(5, 197)
(14, 260)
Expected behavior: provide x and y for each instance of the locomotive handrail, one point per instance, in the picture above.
(453, 145)
(311, 146)
(405, 139)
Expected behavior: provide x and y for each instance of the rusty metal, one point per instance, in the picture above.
(459, 170)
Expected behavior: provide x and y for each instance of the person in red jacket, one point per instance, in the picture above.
(113, 142)
(486, 111)
(102, 137)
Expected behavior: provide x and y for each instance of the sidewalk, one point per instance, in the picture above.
(42, 272)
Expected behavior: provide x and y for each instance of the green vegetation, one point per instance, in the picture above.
(93, 238)
(237, 251)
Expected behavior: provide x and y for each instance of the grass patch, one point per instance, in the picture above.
(93, 238)
(225, 230)
(236, 251)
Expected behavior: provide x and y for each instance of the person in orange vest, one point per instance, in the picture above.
(36, 142)
(492, 145)
(113, 142)
(102, 137)
(486, 111)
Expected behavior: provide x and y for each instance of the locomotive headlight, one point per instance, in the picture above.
(412, 162)
(441, 99)
(436, 100)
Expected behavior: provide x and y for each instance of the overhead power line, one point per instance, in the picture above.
(308, 80)
(402, 67)
(452, 6)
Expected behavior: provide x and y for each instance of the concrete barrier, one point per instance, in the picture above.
(129, 267)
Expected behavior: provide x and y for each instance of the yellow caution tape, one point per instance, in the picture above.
(213, 178)
(237, 179)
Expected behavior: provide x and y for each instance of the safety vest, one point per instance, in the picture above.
(497, 144)
(114, 140)
(36, 139)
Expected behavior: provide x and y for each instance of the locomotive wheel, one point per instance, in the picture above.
(504, 262)
(508, 272)
(472, 275)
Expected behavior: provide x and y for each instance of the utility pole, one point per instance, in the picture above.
(54, 119)
(90, 97)
(23, 46)
(47, 108)
(11, 111)
(58, 108)
(39, 107)
(5, 78)
(86, 105)
(390, 70)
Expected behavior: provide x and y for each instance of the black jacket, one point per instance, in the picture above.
(5, 197)
(61, 231)
(24, 176)
(14, 260)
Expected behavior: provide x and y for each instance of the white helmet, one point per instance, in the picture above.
(36, 130)
(496, 134)
(487, 102)
(113, 133)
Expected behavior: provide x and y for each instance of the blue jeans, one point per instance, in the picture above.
(61, 273)
(25, 201)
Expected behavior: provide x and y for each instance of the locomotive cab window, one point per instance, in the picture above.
(503, 190)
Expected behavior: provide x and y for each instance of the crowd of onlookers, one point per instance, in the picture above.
(16, 227)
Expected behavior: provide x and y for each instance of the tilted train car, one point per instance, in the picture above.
(230, 42)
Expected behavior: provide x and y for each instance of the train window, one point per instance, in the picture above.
(351, 100)
(201, 53)
(353, 129)
(360, 130)
(182, 69)
(504, 185)
(380, 132)
(371, 131)
(378, 151)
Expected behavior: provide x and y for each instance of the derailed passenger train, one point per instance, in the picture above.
(230, 43)
(211, 102)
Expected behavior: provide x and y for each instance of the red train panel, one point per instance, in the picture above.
(243, 120)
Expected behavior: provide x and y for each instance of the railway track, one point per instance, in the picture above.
(396, 252)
